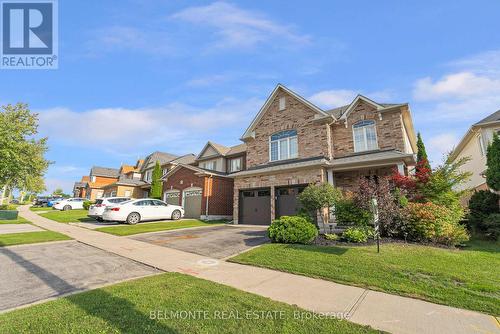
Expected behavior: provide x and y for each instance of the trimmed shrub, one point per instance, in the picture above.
(87, 204)
(292, 230)
(357, 234)
(434, 223)
(349, 214)
(331, 236)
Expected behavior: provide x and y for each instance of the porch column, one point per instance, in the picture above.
(329, 173)
(331, 210)
(401, 169)
(273, 203)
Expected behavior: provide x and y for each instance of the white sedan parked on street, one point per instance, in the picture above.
(137, 210)
(69, 204)
(96, 210)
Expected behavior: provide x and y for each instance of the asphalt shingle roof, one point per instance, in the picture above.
(162, 157)
(104, 171)
(495, 117)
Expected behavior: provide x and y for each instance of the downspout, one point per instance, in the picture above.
(209, 186)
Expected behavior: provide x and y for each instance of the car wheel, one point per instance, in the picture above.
(133, 218)
(176, 215)
(67, 207)
(99, 219)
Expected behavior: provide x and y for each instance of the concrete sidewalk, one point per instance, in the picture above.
(380, 310)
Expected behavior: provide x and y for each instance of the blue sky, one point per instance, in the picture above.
(138, 76)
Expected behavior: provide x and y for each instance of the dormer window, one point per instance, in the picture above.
(365, 136)
(282, 103)
(210, 165)
(283, 145)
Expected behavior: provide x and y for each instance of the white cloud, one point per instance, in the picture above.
(237, 27)
(440, 145)
(209, 80)
(340, 97)
(333, 98)
(462, 85)
(129, 130)
(469, 93)
(151, 41)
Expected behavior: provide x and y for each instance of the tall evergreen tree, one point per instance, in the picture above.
(156, 185)
(422, 159)
(493, 163)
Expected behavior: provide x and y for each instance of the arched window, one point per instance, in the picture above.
(365, 136)
(283, 145)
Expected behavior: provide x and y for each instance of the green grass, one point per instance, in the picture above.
(153, 227)
(126, 308)
(19, 220)
(41, 208)
(70, 216)
(468, 278)
(30, 238)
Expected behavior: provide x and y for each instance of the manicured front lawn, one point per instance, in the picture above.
(468, 278)
(30, 238)
(153, 227)
(19, 220)
(150, 305)
(70, 216)
(40, 208)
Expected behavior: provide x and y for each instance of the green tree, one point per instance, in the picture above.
(318, 198)
(58, 192)
(493, 163)
(21, 153)
(156, 184)
(422, 153)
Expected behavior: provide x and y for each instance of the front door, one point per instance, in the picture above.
(255, 207)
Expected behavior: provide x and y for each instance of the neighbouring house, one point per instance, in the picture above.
(292, 143)
(205, 187)
(99, 178)
(474, 145)
(148, 166)
(128, 183)
(80, 187)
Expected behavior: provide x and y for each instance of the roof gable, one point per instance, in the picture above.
(270, 99)
(355, 102)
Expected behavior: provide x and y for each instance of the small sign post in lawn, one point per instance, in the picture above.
(376, 222)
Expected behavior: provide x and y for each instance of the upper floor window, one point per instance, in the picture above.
(149, 175)
(211, 165)
(235, 165)
(283, 145)
(93, 179)
(365, 136)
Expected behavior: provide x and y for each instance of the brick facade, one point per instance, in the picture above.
(297, 115)
(389, 130)
(218, 190)
(307, 176)
(348, 180)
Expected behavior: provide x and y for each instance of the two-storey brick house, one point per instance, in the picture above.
(204, 187)
(292, 143)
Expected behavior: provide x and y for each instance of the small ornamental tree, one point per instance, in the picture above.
(493, 163)
(319, 197)
(156, 185)
(422, 154)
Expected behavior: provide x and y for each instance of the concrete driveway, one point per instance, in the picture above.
(31, 273)
(216, 242)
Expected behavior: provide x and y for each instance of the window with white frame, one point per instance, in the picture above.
(283, 145)
(149, 175)
(93, 179)
(235, 165)
(210, 165)
(365, 136)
